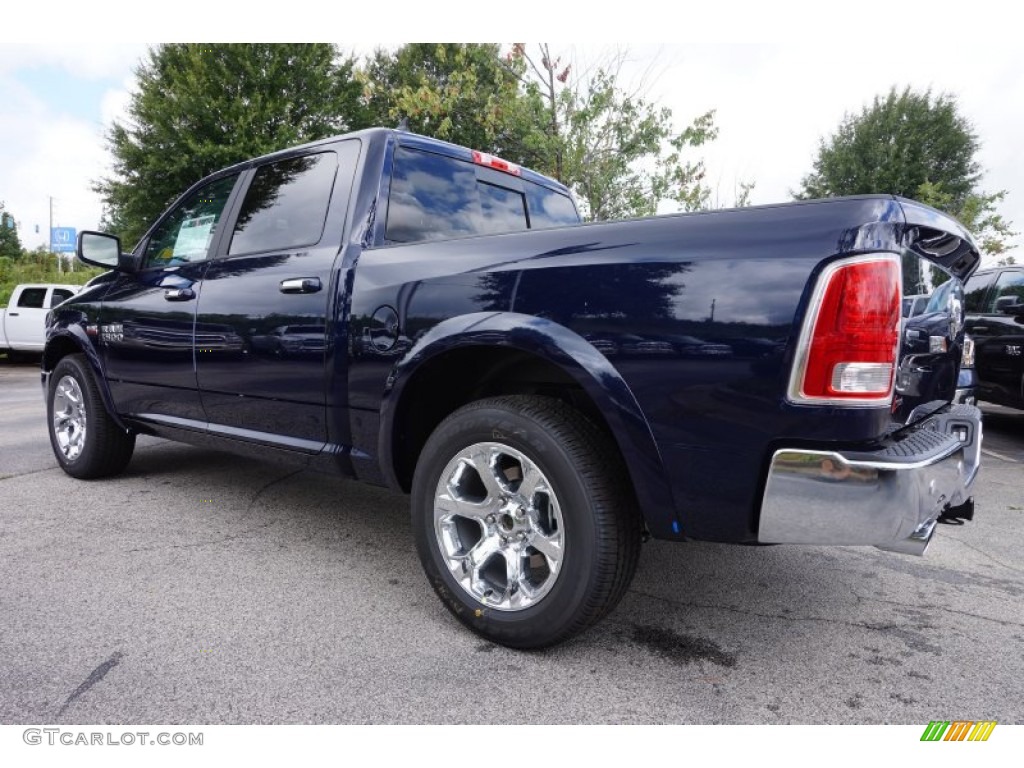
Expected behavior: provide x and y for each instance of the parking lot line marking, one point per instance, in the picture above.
(995, 455)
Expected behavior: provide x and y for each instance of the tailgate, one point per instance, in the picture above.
(939, 255)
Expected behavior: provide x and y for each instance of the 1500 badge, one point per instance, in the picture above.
(111, 333)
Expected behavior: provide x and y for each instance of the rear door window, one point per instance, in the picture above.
(60, 295)
(286, 205)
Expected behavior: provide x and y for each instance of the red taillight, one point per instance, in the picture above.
(482, 158)
(850, 353)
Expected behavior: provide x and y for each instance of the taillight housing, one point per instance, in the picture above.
(849, 344)
(967, 361)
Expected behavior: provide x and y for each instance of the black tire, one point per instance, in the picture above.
(583, 503)
(88, 443)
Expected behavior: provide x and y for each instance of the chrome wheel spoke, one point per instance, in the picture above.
(550, 547)
(483, 462)
(533, 481)
(449, 504)
(472, 563)
(498, 525)
(514, 577)
(69, 418)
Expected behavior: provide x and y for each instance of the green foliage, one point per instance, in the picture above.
(915, 145)
(617, 151)
(458, 92)
(10, 243)
(978, 213)
(38, 266)
(200, 107)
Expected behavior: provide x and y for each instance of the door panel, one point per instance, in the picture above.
(999, 343)
(272, 292)
(147, 323)
(25, 321)
(147, 342)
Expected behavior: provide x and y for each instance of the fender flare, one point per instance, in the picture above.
(80, 339)
(575, 356)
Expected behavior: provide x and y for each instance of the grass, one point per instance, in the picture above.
(37, 267)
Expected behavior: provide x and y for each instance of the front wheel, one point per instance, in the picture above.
(86, 441)
(524, 520)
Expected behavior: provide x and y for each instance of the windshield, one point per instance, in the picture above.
(940, 298)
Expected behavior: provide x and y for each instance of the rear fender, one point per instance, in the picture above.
(575, 356)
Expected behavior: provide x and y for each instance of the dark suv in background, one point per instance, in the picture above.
(994, 308)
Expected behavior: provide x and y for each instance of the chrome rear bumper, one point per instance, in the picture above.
(890, 498)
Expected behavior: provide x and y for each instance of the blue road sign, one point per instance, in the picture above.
(62, 239)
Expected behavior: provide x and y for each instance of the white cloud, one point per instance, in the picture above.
(114, 105)
(44, 155)
(774, 104)
(88, 61)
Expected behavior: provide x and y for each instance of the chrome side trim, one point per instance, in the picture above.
(237, 433)
(880, 499)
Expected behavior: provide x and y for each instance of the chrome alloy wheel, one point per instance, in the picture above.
(69, 419)
(499, 526)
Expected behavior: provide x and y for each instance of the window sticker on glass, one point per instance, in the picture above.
(194, 238)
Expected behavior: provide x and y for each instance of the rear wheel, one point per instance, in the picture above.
(524, 520)
(86, 441)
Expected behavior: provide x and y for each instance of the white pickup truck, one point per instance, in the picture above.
(23, 323)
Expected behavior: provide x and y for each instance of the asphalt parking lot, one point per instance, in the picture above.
(204, 588)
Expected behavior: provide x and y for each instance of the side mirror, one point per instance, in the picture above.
(1009, 305)
(103, 250)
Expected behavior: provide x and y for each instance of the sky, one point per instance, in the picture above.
(775, 97)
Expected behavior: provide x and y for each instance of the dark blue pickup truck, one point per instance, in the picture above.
(436, 320)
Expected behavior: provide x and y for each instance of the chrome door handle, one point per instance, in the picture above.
(300, 285)
(179, 294)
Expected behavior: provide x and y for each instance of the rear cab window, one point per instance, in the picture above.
(437, 197)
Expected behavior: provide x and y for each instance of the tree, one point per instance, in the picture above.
(458, 92)
(200, 107)
(10, 243)
(915, 145)
(616, 150)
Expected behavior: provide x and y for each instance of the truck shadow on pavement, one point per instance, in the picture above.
(717, 619)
